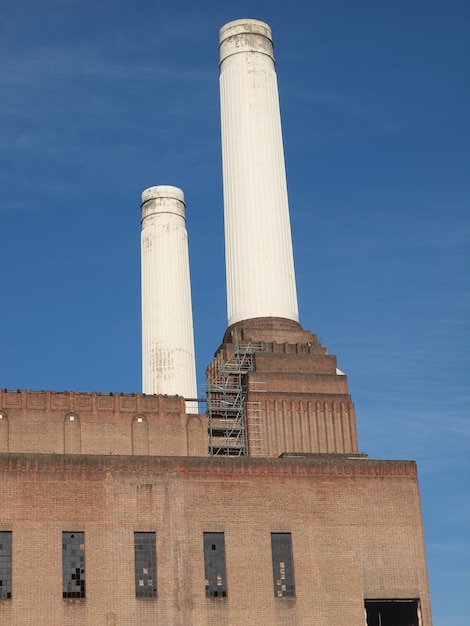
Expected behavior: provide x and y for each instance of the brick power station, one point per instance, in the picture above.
(133, 510)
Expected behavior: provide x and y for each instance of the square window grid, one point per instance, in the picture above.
(283, 571)
(145, 565)
(214, 565)
(73, 565)
(5, 565)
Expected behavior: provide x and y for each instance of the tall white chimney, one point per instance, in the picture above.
(168, 360)
(258, 243)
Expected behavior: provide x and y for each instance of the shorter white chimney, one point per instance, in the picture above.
(168, 360)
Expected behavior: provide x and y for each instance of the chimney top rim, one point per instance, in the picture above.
(163, 191)
(246, 26)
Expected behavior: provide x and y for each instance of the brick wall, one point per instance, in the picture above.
(298, 399)
(93, 423)
(355, 524)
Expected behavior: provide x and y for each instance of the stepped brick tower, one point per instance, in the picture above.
(294, 397)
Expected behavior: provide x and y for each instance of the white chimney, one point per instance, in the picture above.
(168, 361)
(259, 257)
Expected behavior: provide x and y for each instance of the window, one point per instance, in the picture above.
(392, 612)
(283, 572)
(214, 565)
(145, 565)
(5, 565)
(73, 565)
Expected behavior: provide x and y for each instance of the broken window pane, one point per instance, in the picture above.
(283, 571)
(145, 553)
(5, 565)
(73, 565)
(214, 565)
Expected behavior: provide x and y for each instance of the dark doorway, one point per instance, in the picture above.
(392, 612)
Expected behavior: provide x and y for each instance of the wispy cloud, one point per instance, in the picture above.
(437, 435)
(46, 63)
(66, 78)
(458, 548)
(347, 106)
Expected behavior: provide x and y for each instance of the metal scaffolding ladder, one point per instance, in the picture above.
(227, 410)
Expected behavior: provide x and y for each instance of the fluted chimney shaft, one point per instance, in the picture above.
(168, 360)
(259, 257)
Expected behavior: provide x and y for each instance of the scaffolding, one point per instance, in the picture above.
(229, 414)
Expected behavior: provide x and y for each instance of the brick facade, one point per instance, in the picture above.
(302, 400)
(355, 525)
(93, 423)
(113, 465)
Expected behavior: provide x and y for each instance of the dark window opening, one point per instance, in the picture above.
(5, 564)
(73, 565)
(392, 612)
(145, 554)
(214, 565)
(283, 570)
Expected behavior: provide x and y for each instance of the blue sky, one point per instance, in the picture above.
(102, 99)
